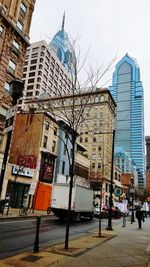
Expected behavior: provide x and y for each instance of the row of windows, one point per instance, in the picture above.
(45, 141)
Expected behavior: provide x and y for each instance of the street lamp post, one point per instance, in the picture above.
(132, 191)
(109, 227)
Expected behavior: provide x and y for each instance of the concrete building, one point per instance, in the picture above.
(15, 21)
(127, 91)
(44, 74)
(49, 68)
(64, 160)
(92, 114)
(31, 161)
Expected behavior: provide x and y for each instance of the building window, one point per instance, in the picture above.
(6, 86)
(34, 61)
(53, 146)
(23, 9)
(86, 139)
(45, 141)
(34, 55)
(1, 30)
(65, 150)
(47, 125)
(29, 94)
(31, 81)
(11, 67)
(93, 165)
(80, 139)
(37, 93)
(94, 139)
(19, 25)
(55, 131)
(29, 87)
(32, 67)
(35, 49)
(31, 74)
(99, 165)
(63, 167)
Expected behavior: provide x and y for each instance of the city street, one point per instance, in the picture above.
(18, 235)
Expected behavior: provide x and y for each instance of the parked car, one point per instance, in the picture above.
(104, 213)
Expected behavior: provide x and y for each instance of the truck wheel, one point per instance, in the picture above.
(49, 210)
(78, 217)
(91, 216)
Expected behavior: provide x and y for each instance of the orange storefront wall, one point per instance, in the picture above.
(42, 196)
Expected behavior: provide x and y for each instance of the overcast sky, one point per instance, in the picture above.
(108, 27)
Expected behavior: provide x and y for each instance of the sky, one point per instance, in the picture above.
(107, 28)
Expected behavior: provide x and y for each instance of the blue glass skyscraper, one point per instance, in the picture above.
(127, 91)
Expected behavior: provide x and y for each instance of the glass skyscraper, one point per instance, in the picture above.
(127, 91)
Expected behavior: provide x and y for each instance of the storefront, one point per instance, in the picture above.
(17, 193)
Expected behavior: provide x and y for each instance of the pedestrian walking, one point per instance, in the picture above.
(140, 216)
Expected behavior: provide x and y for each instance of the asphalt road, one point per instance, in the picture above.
(18, 236)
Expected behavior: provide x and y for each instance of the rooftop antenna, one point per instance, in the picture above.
(63, 22)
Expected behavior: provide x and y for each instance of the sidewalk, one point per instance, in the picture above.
(124, 246)
(14, 213)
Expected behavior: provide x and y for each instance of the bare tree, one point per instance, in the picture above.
(74, 108)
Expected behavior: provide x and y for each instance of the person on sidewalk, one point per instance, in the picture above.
(140, 216)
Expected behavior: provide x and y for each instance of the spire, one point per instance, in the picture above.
(63, 22)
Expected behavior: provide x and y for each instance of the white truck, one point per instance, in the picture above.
(81, 205)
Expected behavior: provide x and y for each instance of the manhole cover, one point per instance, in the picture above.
(31, 258)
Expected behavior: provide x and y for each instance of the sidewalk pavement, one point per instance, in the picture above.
(124, 246)
(14, 213)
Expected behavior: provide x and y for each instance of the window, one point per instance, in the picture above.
(99, 148)
(63, 167)
(55, 131)
(31, 81)
(29, 87)
(93, 165)
(19, 25)
(25, 69)
(31, 74)
(32, 67)
(12, 67)
(53, 146)
(34, 55)
(1, 138)
(86, 139)
(65, 150)
(99, 165)
(29, 94)
(47, 125)
(45, 141)
(6, 86)
(34, 61)
(37, 93)
(94, 139)
(35, 49)
(1, 30)
(23, 9)
(81, 139)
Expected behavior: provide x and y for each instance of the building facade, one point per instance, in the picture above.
(44, 74)
(31, 161)
(127, 91)
(15, 21)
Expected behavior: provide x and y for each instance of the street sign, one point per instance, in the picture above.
(118, 191)
(9, 119)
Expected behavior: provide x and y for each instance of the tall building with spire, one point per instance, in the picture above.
(49, 68)
(127, 91)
